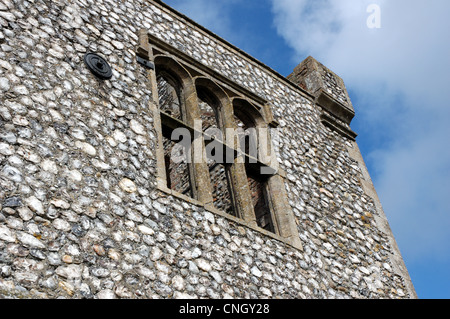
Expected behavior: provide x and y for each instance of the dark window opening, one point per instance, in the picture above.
(221, 191)
(169, 96)
(247, 135)
(177, 169)
(208, 112)
(261, 204)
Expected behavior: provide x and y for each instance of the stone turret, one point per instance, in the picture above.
(330, 93)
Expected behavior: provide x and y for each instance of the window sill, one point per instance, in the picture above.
(293, 242)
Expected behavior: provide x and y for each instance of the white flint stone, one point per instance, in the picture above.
(128, 185)
(56, 54)
(193, 267)
(5, 65)
(178, 283)
(119, 136)
(21, 89)
(49, 166)
(20, 120)
(26, 276)
(119, 112)
(86, 147)
(61, 224)
(146, 230)
(146, 272)
(160, 208)
(70, 271)
(161, 237)
(12, 173)
(182, 295)
(56, 115)
(101, 165)
(359, 234)
(29, 240)
(6, 149)
(75, 175)
(266, 291)
(111, 141)
(28, 155)
(9, 137)
(364, 270)
(78, 134)
(256, 272)
(4, 84)
(216, 229)
(329, 247)
(203, 264)
(118, 45)
(216, 276)
(35, 205)
(113, 254)
(60, 203)
(137, 127)
(156, 254)
(6, 234)
(25, 213)
(116, 199)
(163, 267)
(14, 223)
(8, 16)
(354, 259)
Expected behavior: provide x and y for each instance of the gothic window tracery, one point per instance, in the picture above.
(222, 172)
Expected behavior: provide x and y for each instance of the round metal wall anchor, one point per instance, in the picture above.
(98, 66)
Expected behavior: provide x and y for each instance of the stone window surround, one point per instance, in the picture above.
(192, 75)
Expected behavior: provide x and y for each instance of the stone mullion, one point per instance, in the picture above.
(239, 181)
(199, 167)
(242, 193)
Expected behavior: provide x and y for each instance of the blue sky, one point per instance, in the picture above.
(397, 77)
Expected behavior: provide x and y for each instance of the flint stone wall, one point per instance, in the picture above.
(81, 216)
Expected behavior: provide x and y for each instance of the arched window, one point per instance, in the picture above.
(247, 133)
(247, 120)
(169, 92)
(212, 125)
(172, 106)
(208, 106)
(200, 162)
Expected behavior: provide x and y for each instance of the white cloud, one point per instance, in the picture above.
(399, 76)
(414, 184)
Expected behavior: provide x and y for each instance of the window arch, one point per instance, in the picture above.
(173, 79)
(246, 131)
(212, 103)
(169, 95)
(209, 108)
(251, 126)
(173, 87)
